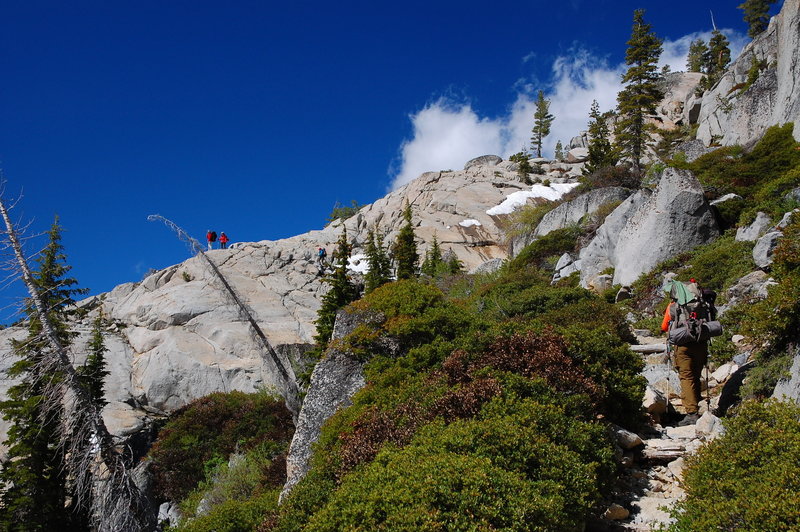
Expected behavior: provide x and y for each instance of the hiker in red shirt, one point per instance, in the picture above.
(223, 240)
(211, 236)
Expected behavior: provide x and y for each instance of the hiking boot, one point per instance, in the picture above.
(689, 419)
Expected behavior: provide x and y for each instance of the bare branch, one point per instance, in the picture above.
(292, 393)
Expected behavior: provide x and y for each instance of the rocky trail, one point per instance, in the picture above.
(654, 459)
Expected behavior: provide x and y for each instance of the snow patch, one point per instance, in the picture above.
(517, 199)
(469, 223)
(358, 263)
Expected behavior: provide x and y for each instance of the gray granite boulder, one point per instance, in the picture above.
(675, 218)
(755, 230)
(483, 160)
(572, 212)
(648, 228)
(765, 247)
(788, 388)
(334, 381)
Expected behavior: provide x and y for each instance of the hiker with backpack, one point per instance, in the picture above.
(223, 240)
(211, 237)
(690, 321)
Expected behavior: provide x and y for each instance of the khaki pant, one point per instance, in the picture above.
(689, 361)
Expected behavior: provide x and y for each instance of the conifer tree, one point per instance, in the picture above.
(454, 265)
(405, 249)
(695, 61)
(542, 120)
(559, 151)
(433, 264)
(380, 267)
(34, 480)
(601, 152)
(719, 55)
(341, 293)
(756, 14)
(93, 372)
(641, 93)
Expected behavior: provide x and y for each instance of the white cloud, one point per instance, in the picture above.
(448, 134)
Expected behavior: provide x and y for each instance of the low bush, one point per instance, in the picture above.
(748, 478)
(234, 515)
(621, 175)
(541, 252)
(214, 427)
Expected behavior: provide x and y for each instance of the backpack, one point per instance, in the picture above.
(322, 252)
(694, 319)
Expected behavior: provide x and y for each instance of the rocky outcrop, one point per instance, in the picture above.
(572, 212)
(755, 230)
(788, 388)
(334, 381)
(175, 337)
(765, 247)
(643, 232)
(735, 113)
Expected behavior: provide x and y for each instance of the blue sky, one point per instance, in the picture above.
(255, 118)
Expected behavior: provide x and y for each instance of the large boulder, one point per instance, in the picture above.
(675, 218)
(647, 229)
(334, 381)
(788, 388)
(483, 160)
(755, 230)
(765, 247)
(572, 212)
(599, 255)
(731, 115)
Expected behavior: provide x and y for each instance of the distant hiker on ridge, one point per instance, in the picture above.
(211, 236)
(223, 240)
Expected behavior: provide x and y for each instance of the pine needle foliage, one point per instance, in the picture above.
(601, 153)
(641, 93)
(542, 120)
(433, 263)
(34, 480)
(405, 248)
(695, 61)
(342, 292)
(756, 14)
(380, 266)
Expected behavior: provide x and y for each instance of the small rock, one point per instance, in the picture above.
(654, 402)
(682, 433)
(627, 440)
(616, 512)
(709, 426)
(676, 468)
(737, 338)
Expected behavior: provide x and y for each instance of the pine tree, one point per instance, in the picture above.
(559, 152)
(524, 167)
(641, 93)
(695, 61)
(341, 293)
(380, 267)
(405, 249)
(542, 120)
(756, 14)
(34, 482)
(433, 265)
(719, 55)
(601, 152)
(452, 263)
(93, 372)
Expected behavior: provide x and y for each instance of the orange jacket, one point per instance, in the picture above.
(667, 318)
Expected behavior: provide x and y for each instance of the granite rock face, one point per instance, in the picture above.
(175, 336)
(729, 114)
(649, 228)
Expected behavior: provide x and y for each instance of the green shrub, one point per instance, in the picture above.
(621, 175)
(749, 478)
(343, 212)
(551, 245)
(519, 466)
(234, 515)
(213, 427)
(523, 221)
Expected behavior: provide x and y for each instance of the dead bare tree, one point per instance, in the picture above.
(100, 477)
(292, 394)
